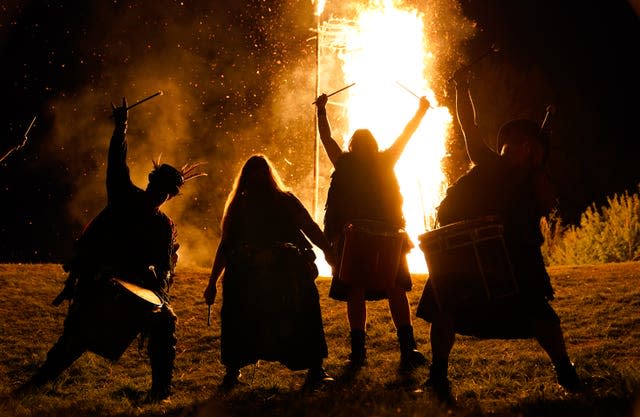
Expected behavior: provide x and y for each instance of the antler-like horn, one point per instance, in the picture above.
(188, 173)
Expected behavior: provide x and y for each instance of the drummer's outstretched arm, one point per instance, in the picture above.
(477, 150)
(330, 145)
(396, 149)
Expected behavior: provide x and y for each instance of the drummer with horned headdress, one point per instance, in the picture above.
(364, 188)
(130, 239)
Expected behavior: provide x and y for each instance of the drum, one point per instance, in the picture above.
(117, 313)
(371, 255)
(468, 263)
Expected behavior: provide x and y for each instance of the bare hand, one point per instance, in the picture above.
(120, 113)
(321, 101)
(424, 104)
(331, 258)
(462, 77)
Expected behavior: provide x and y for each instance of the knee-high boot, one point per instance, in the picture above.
(358, 354)
(162, 353)
(438, 380)
(410, 357)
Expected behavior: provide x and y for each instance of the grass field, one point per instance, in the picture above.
(599, 307)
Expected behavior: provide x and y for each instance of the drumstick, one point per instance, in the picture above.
(492, 49)
(28, 130)
(407, 90)
(550, 112)
(137, 103)
(337, 91)
(159, 93)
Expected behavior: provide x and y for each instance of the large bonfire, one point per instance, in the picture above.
(384, 51)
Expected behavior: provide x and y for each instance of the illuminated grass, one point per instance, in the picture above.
(599, 307)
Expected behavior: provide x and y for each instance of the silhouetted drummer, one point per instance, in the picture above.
(133, 240)
(364, 186)
(514, 187)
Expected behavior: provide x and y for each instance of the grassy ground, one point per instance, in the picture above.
(599, 307)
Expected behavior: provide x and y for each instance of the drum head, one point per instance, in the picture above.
(143, 293)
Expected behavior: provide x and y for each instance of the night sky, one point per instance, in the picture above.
(237, 78)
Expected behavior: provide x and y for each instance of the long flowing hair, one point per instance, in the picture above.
(257, 177)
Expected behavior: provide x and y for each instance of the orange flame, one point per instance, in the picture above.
(319, 6)
(384, 50)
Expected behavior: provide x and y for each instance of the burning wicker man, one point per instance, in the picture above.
(122, 271)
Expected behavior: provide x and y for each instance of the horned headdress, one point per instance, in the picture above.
(170, 179)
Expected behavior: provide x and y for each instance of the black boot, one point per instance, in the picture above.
(162, 354)
(438, 381)
(230, 379)
(410, 357)
(317, 376)
(358, 354)
(567, 376)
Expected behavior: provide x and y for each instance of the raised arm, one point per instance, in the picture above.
(118, 179)
(330, 145)
(477, 150)
(396, 149)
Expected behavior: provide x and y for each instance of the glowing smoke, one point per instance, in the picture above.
(237, 79)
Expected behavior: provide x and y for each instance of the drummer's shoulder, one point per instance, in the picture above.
(293, 200)
(164, 219)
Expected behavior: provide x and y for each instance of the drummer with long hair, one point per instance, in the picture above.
(510, 185)
(271, 307)
(364, 187)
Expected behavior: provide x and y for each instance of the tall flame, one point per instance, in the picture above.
(319, 6)
(385, 52)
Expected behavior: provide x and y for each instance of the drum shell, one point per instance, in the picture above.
(371, 254)
(114, 318)
(468, 263)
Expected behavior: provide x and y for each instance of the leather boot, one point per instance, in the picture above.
(438, 381)
(358, 354)
(410, 357)
(162, 354)
(316, 376)
(567, 376)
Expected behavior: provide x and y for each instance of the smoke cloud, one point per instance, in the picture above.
(237, 79)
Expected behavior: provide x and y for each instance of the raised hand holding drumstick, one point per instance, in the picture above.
(120, 114)
(137, 103)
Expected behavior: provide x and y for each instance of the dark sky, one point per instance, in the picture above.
(228, 68)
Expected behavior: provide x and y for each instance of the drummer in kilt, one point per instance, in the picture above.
(364, 187)
(270, 303)
(514, 187)
(133, 240)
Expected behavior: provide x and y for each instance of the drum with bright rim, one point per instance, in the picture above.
(468, 263)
